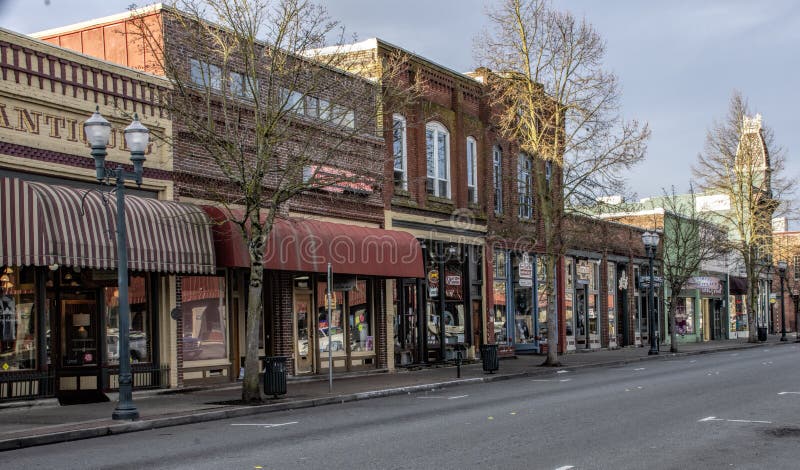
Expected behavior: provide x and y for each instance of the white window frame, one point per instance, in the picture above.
(472, 169)
(402, 156)
(524, 186)
(438, 129)
(497, 178)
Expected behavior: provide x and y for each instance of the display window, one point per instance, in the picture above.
(684, 316)
(18, 328)
(611, 298)
(205, 318)
(569, 295)
(330, 322)
(541, 294)
(522, 289)
(499, 312)
(140, 324)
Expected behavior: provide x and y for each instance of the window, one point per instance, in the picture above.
(796, 268)
(472, 170)
(240, 86)
(18, 324)
(524, 170)
(205, 318)
(399, 151)
(438, 155)
(140, 339)
(291, 101)
(497, 175)
(205, 74)
(325, 110)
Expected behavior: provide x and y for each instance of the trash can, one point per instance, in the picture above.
(762, 333)
(275, 375)
(489, 357)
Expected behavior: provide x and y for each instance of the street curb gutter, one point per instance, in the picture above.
(240, 411)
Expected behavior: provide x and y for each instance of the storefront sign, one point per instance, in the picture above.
(525, 269)
(584, 271)
(525, 282)
(707, 285)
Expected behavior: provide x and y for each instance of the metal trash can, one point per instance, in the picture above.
(275, 375)
(489, 357)
(762, 333)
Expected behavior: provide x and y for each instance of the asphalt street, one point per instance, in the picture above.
(737, 409)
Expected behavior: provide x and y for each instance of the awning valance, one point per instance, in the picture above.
(738, 285)
(45, 224)
(307, 245)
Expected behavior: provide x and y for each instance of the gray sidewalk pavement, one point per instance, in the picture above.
(49, 423)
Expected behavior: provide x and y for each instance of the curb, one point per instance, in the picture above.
(240, 411)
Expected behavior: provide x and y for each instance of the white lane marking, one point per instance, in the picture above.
(692, 361)
(788, 393)
(565, 467)
(457, 397)
(561, 371)
(265, 425)
(639, 368)
(430, 398)
(714, 418)
(565, 380)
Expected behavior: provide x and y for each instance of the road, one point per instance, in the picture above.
(736, 409)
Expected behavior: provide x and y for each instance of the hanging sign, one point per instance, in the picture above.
(525, 269)
(623, 281)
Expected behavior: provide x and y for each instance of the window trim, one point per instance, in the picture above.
(472, 164)
(437, 128)
(399, 118)
(525, 186)
(497, 178)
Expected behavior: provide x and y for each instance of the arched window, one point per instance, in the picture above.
(399, 151)
(525, 186)
(497, 178)
(437, 146)
(472, 170)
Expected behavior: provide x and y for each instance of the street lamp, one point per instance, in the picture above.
(650, 240)
(137, 136)
(782, 272)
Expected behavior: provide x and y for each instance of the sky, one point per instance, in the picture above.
(678, 61)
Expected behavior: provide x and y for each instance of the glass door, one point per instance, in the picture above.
(79, 333)
(303, 356)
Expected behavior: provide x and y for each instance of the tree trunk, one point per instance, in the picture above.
(551, 264)
(752, 304)
(251, 391)
(673, 335)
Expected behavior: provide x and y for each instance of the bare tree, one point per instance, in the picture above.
(274, 124)
(690, 240)
(742, 163)
(556, 101)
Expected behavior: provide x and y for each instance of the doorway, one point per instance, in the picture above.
(582, 317)
(79, 352)
(303, 334)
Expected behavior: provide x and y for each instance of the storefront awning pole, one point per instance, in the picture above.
(330, 335)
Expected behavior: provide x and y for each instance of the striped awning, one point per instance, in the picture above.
(43, 224)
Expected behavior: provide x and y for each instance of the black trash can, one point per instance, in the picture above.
(762, 333)
(489, 357)
(275, 375)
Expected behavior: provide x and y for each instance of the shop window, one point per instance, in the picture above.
(18, 328)
(362, 325)
(684, 316)
(400, 152)
(541, 294)
(330, 328)
(437, 149)
(205, 318)
(472, 170)
(594, 306)
(497, 179)
(140, 321)
(499, 313)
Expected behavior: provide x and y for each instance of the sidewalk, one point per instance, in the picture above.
(39, 425)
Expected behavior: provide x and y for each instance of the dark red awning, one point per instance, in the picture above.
(309, 245)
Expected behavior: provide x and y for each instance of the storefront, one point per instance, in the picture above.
(583, 275)
(700, 310)
(738, 326)
(519, 314)
(59, 286)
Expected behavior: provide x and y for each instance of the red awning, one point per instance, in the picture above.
(309, 245)
(43, 224)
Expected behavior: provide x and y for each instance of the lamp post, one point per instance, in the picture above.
(137, 136)
(782, 272)
(650, 240)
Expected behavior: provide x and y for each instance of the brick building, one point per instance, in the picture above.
(210, 337)
(786, 247)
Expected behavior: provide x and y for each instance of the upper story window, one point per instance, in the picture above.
(318, 108)
(205, 74)
(525, 186)
(437, 146)
(497, 179)
(472, 170)
(399, 151)
(241, 86)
